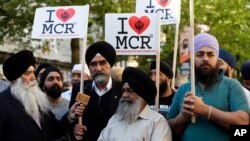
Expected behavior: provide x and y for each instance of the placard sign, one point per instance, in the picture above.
(60, 22)
(133, 34)
(169, 9)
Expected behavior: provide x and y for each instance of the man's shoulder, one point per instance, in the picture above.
(4, 94)
(230, 81)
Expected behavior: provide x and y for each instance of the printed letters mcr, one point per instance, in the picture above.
(64, 16)
(139, 25)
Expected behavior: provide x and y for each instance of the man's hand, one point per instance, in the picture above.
(79, 131)
(76, 111)
(193, 105)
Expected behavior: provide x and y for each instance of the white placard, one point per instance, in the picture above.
(168, 9)
(133, 34)
(60, 22)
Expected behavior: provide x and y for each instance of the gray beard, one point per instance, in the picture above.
(35, 102)
(101, 79)
(128, 111)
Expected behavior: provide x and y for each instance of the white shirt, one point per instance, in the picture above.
(150, 126)
(247, 93)
(107, 88)
(67, 94)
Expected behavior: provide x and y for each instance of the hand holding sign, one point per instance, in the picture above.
(83, 99)
(76, 111)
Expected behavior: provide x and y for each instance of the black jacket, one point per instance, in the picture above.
(17, 125)
(99, 109)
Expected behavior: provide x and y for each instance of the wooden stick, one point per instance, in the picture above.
(175, 54)
(193, 118)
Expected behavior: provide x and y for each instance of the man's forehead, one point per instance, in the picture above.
(126, 85)
(222, 61)
(31, 68)
(206, 49)
(98, 57)
(53, 74)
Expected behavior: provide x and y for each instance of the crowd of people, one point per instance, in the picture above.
(34, 107)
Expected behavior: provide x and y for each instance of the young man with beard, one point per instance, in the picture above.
(227, 63)
(166, 94)
(218, 101)
(25, 111)
(134, 120)
(104, 91)
(51, 83)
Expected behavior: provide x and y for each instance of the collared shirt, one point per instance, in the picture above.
(149, 126)
(102, 92)
(226, 94)
(67, 94)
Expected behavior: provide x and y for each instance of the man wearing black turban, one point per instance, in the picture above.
(104, 91)
(166, 94)
(25, 113)
(134, 120)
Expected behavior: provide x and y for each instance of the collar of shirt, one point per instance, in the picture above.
(107, 88)
(146, 113)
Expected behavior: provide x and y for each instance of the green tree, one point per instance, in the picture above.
(228, 21)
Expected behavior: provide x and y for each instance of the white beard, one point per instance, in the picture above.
(129, 111)
(101, 79)
(32, 98)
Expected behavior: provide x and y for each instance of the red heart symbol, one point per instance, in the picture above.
(139, 25)
(163, 3)
(65, 15)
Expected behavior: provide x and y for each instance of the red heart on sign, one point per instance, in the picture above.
(163, 3)
(65, 15)
(139, 25)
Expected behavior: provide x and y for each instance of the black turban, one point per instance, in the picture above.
(40, 67)
(164, 68)
(46, 73)
(140, 83)
(17, 64)
(102, 47)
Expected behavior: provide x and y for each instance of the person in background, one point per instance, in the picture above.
(76, 78)
(25, 113)
(218, 101)
(166, 94)
(103, 90)
(40, 69)
(227, 63)
(245, 73)
(116, 73)
(51, 83)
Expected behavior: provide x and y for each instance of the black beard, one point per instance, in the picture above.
(163, 87)
(53, 92)
(207, 76)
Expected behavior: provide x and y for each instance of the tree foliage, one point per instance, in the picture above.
(228, 21)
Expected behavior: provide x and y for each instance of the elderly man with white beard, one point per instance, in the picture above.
(25, 111)
(134, 120)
